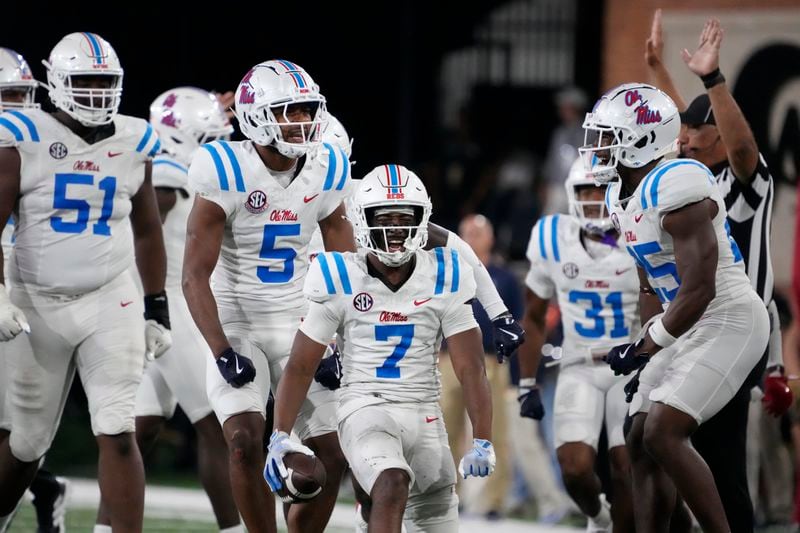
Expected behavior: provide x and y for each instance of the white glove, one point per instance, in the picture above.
(12, 320)
(279, 445)
(479, 461)
(157, 339)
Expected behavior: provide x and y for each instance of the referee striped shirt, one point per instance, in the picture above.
(750, 217)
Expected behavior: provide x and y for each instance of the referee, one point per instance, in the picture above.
(716, 133)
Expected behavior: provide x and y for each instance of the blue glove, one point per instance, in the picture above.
(237, 369)
(279, 445)
(508, 335)
(479, 461)
(530, 403)
(329, 371)
(623, 359)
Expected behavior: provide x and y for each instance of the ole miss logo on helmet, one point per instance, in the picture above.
(246, 93)
(394, 183)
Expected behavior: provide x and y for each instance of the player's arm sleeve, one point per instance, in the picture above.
(485, 290)
(679, 184)
(324, 315)
(204, 180)
(335, 185)
(458, 316)
(147, 142)
(538, 278)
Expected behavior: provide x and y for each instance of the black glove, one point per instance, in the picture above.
(623, 359)
(530, 403)
(329, 371)
(508, 335)
(237, 369)
(156, 308)
(632, 386)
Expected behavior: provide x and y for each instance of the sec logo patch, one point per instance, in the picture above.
(570, 270)
(256, 202)
(362, 302)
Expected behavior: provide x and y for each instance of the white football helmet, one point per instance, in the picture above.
(392, 187)
(335, 134)
(266, 92)
(187, 117)
(632, 125)
(600, 221)
(84, 54)
(15, 75)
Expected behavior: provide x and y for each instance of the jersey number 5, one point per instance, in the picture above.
(389, 368)
(60, 202)
(269, 251)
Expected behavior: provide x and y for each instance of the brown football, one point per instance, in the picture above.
(305, 477)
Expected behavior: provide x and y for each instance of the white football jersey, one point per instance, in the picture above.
(669, 186)
(73, 233)
(171, 174)
(391, 338)
(7, 241)
(264, 255)
(598, 297)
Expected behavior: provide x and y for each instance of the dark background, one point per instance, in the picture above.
(377, 64)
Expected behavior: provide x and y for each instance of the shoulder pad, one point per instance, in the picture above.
(17, 126)
(675, 184)
(337, 166)
(144, 138)
(169, 173)
(453, 274)
(327, 277)
(215, 166)
(544, 239)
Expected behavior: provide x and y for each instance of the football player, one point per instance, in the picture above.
(257, 203)
(18, 91)
(78, 181)
(392, 302)
(578, 259)
(184, 118)
(673, 218)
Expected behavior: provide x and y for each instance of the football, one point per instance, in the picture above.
(305, 478)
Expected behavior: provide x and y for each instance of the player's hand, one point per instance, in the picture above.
(654, 50)
(279, 445)
(237, 369)
(12, 319)
(705, 59)
(479, 461)
(329, 371)
(778, 396)
(226, 101)
(626, 358)
(157, 339)
(632, 387)
(530, 403)
(508, 335)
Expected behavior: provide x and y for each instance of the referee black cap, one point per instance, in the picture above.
(699, 112)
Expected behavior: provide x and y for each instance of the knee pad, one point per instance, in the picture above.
(29, 446)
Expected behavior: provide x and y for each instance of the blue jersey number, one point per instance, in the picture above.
(60, 201)
(389, 367)
(640, 253)
(269, 251)
(614, 300)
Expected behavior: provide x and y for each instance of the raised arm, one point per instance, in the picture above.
(653, 56)
(740, 144)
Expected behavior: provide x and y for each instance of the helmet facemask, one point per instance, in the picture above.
(291, 137)
(91, 106)
(592, 214)
(601, 150)
(395, 233)
(21, 95)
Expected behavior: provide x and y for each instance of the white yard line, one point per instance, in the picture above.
(192, 504)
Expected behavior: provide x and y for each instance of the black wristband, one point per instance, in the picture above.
(712, 78)
(156, 308)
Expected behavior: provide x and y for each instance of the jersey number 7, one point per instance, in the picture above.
(389, 368)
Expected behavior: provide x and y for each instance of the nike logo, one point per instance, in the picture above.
(513, 336)
(637, 218)
(125, 304)
(430, 419)
(420, 302)
(619, 272)
(238, 368)
(114, 154)
(307, 199)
